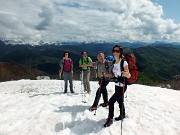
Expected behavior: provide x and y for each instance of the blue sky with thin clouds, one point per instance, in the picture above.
(171, 9)
(90, 20)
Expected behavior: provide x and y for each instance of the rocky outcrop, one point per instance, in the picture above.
(10, 71)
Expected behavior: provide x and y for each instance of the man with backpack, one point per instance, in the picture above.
(85, 63)
(102, 67)
(67, 70)
(120, 72)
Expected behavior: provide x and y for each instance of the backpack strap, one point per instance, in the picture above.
(61, 63)
(114, 61)
(70, 61)
(107, 65)
(81, 60)
(87, 60)
(122, 69)
(122, 65)
(112, 66)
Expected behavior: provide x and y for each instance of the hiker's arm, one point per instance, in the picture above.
(126, 72)
(80, 65)
(60, 74)
(89, 64)
(83, 65)
(86, 65)
(108, 75)
(61, 70)
(71, 65)
(94, 65)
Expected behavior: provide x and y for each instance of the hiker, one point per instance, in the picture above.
(102, 67)
(67, 70)
(85, 63)
(120, 84)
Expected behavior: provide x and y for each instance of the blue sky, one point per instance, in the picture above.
(171, 9)
(90, 20)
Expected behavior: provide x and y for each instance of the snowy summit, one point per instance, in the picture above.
(40, 107)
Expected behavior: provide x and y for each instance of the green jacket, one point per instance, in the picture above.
(86, 60)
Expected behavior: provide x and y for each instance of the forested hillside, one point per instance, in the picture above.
(155, 63)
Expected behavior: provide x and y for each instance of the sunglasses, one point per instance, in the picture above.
(117, 51)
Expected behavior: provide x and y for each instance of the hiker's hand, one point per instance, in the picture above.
(84, 65)
(126, 74)
(107, 75)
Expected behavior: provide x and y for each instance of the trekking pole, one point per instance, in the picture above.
(100, 84)
(97, 78)
(60, 77)
(122, 108)
(99, 92)
(73, 80)
(62, 84)
(126, 99)
(82, 86)
(95, 70)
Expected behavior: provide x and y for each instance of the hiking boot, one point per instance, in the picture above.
(89, 93)
(108, 123)
(92, 108)
(65, 92)
(120, 117)
(104, 104)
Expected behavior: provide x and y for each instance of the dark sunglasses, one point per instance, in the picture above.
(118, 51)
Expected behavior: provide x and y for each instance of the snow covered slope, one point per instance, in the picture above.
(40, 107)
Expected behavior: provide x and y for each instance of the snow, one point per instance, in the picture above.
(39, 107)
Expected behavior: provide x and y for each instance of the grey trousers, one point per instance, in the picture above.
(67, 76)
(86, 77)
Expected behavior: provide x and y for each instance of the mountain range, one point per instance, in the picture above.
(156, 62)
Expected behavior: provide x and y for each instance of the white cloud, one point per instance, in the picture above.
(46, 16)
(68, 20)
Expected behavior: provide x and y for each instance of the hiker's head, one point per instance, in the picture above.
(66, 54)
(84, 54)
(100, 56)
(117, 51)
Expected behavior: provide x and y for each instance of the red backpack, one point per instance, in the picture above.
(131, 59)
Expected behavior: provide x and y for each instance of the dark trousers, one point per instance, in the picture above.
(101, 90)
(119, 97)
